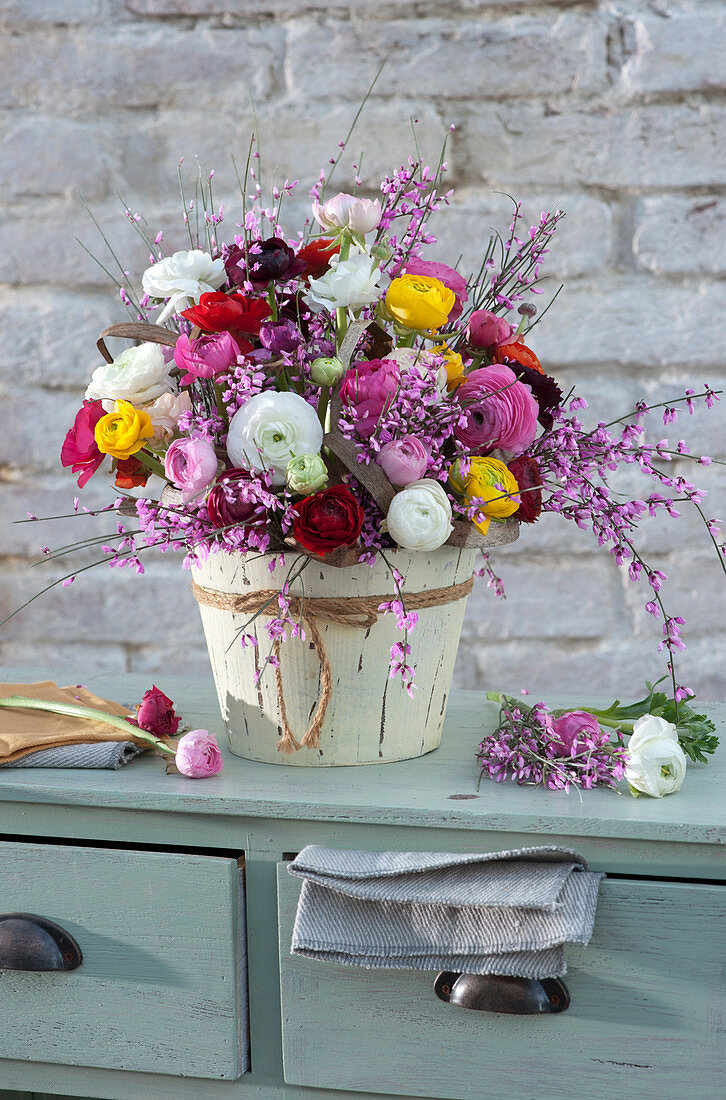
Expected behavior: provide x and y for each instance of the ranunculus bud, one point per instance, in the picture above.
(485, 329)
(155, 714)
(198, 755)
(404, 460)
(381, 251)
(306, 474)
(326, 370)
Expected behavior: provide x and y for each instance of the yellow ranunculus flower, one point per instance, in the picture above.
(419, 302)
(123, 432)
(486, 481)
(453, 362)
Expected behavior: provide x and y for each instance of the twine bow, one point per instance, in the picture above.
(352, 611)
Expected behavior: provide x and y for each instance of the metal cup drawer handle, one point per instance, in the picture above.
(29, 942)
(497, 993)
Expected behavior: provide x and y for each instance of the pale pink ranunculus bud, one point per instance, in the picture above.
(404, 460)
(198, 755)
(486, 330)
(348, 212)
(190, 464)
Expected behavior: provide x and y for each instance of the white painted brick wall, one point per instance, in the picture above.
(612, 109)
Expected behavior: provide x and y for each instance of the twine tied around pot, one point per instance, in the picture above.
(353, 611)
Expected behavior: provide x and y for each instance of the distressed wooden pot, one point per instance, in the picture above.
(370, 718)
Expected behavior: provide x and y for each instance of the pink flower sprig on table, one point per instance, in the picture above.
(531, 747)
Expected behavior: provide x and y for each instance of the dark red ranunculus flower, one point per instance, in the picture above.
(545, 390)
(270, 261)
(228, 504)
(130, 472)
(79, 448)
(327, 520)
(155, 714)
(529, 479)
(317, 255)
(219, 312)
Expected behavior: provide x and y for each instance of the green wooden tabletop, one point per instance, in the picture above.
(438, 790)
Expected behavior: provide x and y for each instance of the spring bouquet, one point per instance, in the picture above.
(342, 392)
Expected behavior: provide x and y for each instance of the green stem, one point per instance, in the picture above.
(77, 710)
(341, 314)
(272, 302)
(151, 463)
(323, 405)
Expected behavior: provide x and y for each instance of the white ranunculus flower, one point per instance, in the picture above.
(347, 212)
(139, 375)
(656, 761)
(164, 414)
(182, 278)
(419, 517)
(351, 283)
(271, 429)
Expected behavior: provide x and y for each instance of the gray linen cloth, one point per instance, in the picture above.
(99, 754)
(505, 912)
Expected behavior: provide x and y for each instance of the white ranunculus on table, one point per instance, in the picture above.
(656, 761)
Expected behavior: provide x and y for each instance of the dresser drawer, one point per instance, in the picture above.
(162, 983)
(645, 1019)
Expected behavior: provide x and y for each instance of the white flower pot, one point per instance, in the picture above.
(370, 718)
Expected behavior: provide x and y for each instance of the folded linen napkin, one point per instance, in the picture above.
(505, 912)
(43, 739)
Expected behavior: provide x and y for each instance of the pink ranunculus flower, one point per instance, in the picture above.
(445, 274)
(348, 212)
(190, 464)
(205, 357)
(571, 729)
(198, 755)
(80, 450)
(499, 411)
(404, 460)
(486, 330)
(369, 386)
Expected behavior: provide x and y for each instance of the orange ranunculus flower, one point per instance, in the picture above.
(419, 302)
(124, 431)
(517, 352)
(490, 484)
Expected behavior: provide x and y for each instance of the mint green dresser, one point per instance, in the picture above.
(177, 895)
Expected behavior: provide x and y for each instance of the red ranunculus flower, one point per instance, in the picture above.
(327, 520)
(219, 312)
(130, 473)
(317, 255)
(79, 449)
(155, 714)
(529, 479)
